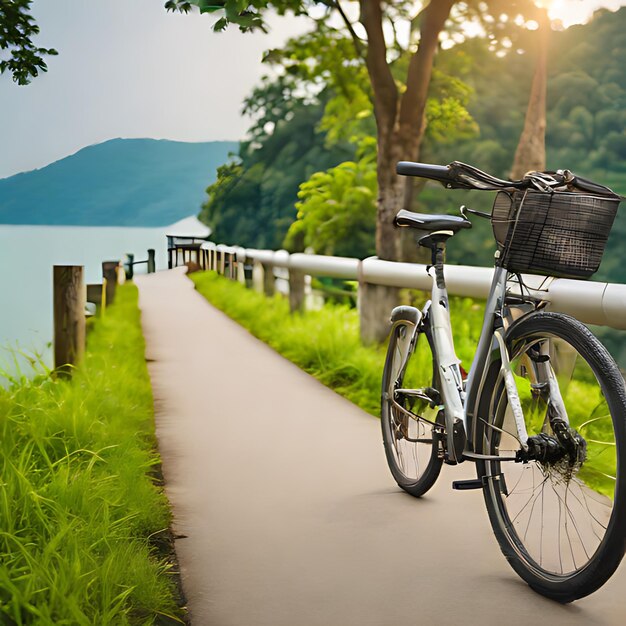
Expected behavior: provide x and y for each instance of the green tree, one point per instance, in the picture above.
(399, 108)
(337, 208)
(18, 54)
(252, 201)
(320, 69)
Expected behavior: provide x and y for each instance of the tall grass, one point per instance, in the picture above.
(325, 343)
(81, 514)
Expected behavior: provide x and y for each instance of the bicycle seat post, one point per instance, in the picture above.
(438, 258)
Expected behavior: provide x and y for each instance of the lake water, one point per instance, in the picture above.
(27, 254)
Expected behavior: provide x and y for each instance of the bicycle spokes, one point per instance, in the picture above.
(558, 497)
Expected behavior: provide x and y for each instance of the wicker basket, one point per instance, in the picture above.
(556, 234)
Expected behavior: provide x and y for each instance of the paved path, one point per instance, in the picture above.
(290, 515)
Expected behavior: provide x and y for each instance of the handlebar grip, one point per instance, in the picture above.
(591, 187)
(440, 173)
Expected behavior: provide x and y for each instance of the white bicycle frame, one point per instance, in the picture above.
(461, 401)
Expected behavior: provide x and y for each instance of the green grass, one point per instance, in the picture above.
(325, 343)
(83, 522)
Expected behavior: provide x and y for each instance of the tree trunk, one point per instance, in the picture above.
(531, 149)
(409, 251)
(391, 191)
(400, 120)
(375, 305)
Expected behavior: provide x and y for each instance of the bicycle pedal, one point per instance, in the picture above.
(464, 485)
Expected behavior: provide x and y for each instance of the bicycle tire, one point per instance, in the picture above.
(602, 551)
(420, 481)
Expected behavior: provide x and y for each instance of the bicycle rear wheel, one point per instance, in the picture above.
(411, 419)
(560, 517)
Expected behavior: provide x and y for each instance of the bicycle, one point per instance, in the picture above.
(542, 412)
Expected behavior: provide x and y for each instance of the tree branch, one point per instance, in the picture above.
(421, 64)
(358, 44)
(383, 84)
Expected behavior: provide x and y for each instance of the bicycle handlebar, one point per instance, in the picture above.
(589, 186)
(440, 173)
(456, 175)
(459, 175)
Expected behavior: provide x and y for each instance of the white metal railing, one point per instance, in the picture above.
(590, 302)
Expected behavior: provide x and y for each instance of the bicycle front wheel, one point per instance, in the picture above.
(411, 419)
(560, 515)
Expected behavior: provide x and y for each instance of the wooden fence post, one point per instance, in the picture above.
(248, 275)
(69, 316)
(241, 272)
(269, 281)
(130, 272)
(257, 276)
(109, 271)
(296, 290)
(151, 261)
(94, 294)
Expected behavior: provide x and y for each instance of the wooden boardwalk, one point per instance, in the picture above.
(289, 514)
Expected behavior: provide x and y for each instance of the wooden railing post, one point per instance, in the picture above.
(170, 246)
(248, 275)
(151, 261)
(241, 272)
(130, 272)
(109, 272)
(69, 316)
(269, 286)
(257, 276)
(296, 290)
(94, 294)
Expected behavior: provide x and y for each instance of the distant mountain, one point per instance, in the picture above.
(122, 182)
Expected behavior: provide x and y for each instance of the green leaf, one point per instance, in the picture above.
(209, 6)
(220, 25)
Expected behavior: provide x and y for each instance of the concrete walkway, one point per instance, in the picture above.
(289, 514)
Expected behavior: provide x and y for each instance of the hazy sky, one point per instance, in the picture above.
(126, 68)
(576, 11)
